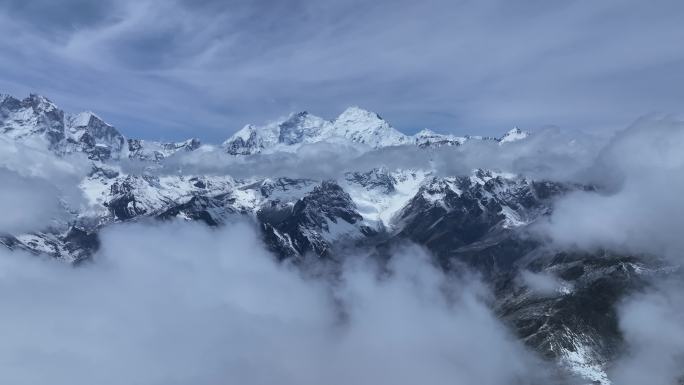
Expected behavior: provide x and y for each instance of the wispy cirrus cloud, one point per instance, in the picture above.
(178, 68)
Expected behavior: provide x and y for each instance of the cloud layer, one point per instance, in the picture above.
(653, 326)
(549, 153)
(37, 187)
(638, 208)
(180, 303)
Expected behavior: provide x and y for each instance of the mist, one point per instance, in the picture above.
(549, 153)
(180, 303)
(637, 207)
(38, 187)
(637, 210)
(653, 325)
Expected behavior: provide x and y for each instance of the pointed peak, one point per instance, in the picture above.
(426, 132)
(84, 119)
(38, 98)
(355, 113)
(299, 114)
(244, 133)
(192, 142)
(294, 117)
(514, 134)
(39, 102)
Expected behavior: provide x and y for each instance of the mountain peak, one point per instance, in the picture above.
(244, 133)
(37, 98)
(366, 127)
(39, 102)
(427, 138)
(84, 119)
(513, 135)
(356, 113)
(301, 127)
(425, 132)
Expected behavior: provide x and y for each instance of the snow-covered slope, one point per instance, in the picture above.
(429, 138)
(34, 120)
(354, 125)
(513, 135)
(86, 132)
(365, 127)
(38, 122)
(282, 135)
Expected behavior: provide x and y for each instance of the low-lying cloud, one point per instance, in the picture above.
(180, 303)
(636, 210)
(653, 326)
(638, 207)
(550, 153)
(36, 187)
(543, 283)
(26, 203)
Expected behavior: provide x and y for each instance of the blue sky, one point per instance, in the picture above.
(177, 68)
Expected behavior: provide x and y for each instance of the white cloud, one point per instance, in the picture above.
(638, 208)
(544, 283)
(653, 326)
(549, 153)
(26, 203)
(36, 186)
(180, 303)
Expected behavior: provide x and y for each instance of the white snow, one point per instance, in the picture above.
(513, 135)
(429, 137)
(512, 218)
(379, 207)
(354, 125)
(81, 119)
(362, 126)
(582, 361)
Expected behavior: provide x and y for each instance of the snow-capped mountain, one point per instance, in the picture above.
(34, 119)
(513, 135)
(86, 132)
(150, 150)
(354, 126)
(429, 138)
(477, 220)
(39, 122)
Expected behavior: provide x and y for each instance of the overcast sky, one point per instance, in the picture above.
(177, 68)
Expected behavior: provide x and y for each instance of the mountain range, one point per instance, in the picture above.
(481, 221)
